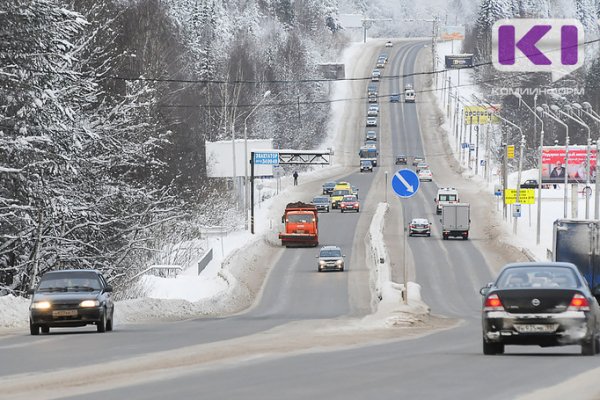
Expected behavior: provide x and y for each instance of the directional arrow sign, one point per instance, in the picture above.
(405, 183)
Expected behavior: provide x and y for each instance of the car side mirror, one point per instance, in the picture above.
(344, 255)
(283, 219)
(486, 289)
(316, 256)
(30, 291)
(108, 289)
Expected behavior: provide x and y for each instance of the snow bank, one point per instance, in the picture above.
(15, 311)
(387, 295)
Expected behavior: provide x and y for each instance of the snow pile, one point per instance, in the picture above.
(15, 311)
(387, 295)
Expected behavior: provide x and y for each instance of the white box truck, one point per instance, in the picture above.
(456, 220)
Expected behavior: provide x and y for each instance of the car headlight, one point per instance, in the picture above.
(339, 262)
(89, 303)
(41, 305)
(321, 262)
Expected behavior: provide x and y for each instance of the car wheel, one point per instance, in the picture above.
(320, 269)
(327, 209)
(588, 347)
(101, 325)
(45, 329)
(429, 234)
(492, 348)
(342, 210)
(34, 329)
(358, 210)
(445, 237)
(342, 269)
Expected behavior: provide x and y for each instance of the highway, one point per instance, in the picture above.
(297, 301)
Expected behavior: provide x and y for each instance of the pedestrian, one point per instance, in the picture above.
(295, 178)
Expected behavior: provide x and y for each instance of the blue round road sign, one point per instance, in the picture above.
(405, 183)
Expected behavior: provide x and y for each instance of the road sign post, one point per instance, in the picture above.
(405, 184)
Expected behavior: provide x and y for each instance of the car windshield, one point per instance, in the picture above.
(367, 163)
(538, 277)
(349, 198)
(329, 185)
(341, 192)
(304, 218)
(69, 283)
(447, 197)
(330, 253)
(320, 200)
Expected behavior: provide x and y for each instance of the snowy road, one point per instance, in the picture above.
(262, 354)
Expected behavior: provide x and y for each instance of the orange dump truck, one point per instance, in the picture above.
(301, 222)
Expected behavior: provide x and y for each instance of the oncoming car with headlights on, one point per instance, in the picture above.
(71, 298)
(540, 303)
(330, 257)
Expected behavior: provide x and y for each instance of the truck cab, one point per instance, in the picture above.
(300, 225)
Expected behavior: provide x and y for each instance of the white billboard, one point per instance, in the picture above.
(351, 20)
(220, 158)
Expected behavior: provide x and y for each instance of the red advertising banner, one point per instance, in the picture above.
(554, 163)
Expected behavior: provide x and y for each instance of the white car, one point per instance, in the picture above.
(425, 175)
(389, 44)
(371, 121)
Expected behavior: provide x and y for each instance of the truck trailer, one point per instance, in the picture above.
(301, 225)
(456, 220)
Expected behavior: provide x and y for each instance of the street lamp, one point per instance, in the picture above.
(267, 94)
(546, 111)
(587, 110)
(539, 208)
(587, 173)
(522, 146)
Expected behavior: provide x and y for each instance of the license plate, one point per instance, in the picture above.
(64, 313)
(536, 328)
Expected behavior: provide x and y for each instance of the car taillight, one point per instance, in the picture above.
(493, 303)
(579, 303)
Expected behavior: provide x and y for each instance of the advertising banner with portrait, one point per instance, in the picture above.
(554, 163)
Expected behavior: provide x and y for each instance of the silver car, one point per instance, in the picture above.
(330, 257)
(372, 121)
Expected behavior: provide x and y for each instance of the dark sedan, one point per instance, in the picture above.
(328, 187)
(544, 304)
(71, 298)
(529, 184)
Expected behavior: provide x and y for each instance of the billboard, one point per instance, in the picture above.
(458, 61)
(219, 158)
(481, 115)
(453, 32)
(553, 164)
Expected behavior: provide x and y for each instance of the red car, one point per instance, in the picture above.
(350, 202)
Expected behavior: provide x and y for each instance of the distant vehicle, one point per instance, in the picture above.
(372, 98)
(328, 187)
(373, 112)
(375, 75)
(539, 303)
(401, 160)
(420, 166)
(330, 257)
(417, 160)
(321, 202)
(300, 225)
(350, 203)
(530, 184)
(371, 135)
(374, 107)
(341, 189)
(371, 121)
(395, 98)
(71, 298)
(366, 166)
(380, 63)
(389, 44)
(383, 56)
(368, 153)
(371, 143)
(425, 175)
(372, 89)
(456, 220)
(355, 191)
(445, 196)
(408, 86)
(419, 226)
(409, 96)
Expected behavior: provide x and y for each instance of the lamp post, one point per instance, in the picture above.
(587, 172)
(522, 146)
(587, 110)
(267, 93)
(539, 207)
(546, 111)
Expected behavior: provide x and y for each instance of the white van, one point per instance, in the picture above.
(445, 196)
(409, 96)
